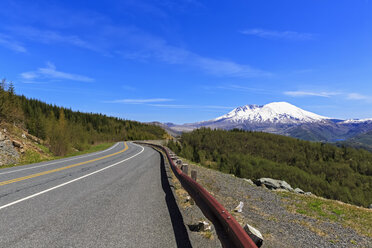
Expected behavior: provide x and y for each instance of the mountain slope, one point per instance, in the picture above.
(285, 119)
(363, 141)
(276, 112)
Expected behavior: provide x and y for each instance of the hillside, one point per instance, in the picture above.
(360, 141)
(62, 130)
(337, 173)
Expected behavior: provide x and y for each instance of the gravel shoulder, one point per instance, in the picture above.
(286, 219)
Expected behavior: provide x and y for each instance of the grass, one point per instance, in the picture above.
(93, 148)
(357, 218)
(30, 156)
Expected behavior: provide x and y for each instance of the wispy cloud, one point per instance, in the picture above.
(357, 96)
(310, 93)
(161, 102)
(141, 101)
(147, 47)
(11, 44)
(183, 106)
(50, 72)
(51, 36)
(273, 34)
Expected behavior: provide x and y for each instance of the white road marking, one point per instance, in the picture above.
(59, 161)
(74, 180)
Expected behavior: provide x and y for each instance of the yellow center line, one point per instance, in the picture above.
(62, 168)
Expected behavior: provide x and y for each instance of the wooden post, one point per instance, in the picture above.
(193, 175)
(185, 169)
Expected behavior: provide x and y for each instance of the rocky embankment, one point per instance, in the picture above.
(9, 149)
(286, 217)
(18, 146)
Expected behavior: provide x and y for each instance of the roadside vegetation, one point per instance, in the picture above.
(343, 174)
(33, 156)
(65, 131)
(330, 211)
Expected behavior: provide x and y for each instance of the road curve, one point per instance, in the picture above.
(116, 198)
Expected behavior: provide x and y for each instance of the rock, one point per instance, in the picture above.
(239, 208)
(4, 130)
(24, 136)
(274, 184)
(254, 234)
(299, 191)
(308, 193)
(248, 181)
(370, 206)
(2, 136)
(8, 154)
(202, 226)
(268, 182)
(285, 185)
(17, 144)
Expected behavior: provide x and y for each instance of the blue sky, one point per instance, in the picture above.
(190, 60)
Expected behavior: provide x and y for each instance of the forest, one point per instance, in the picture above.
(340, 173)
(64, 129)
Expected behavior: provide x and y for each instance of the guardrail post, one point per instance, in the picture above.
(185, 169)
(194, 175)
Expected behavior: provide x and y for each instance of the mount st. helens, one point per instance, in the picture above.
(285, 119)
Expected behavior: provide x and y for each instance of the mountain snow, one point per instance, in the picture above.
(275, 112)
(356, 121)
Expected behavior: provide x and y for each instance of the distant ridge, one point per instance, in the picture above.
(285, 119)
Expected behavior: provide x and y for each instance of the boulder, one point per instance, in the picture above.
(285, 185)
(248, 181)
(254, 234)
(370, 206)
(202, 226)
(268, 182)
(308, 193)
(17, 144)
(273, 184)
(299, 191)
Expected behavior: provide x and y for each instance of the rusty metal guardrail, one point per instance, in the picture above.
(229, 231)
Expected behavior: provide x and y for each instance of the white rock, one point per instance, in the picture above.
(299, 191)
(205, 226)
(239, 208)
(254, 234)
(248, 181)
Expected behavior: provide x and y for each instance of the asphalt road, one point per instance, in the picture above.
(116, 198)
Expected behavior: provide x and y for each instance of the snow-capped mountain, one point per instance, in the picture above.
(276, 112)
(285, 119)
(357, 120)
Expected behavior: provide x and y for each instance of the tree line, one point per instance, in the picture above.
(63, 129)
(340, 173)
